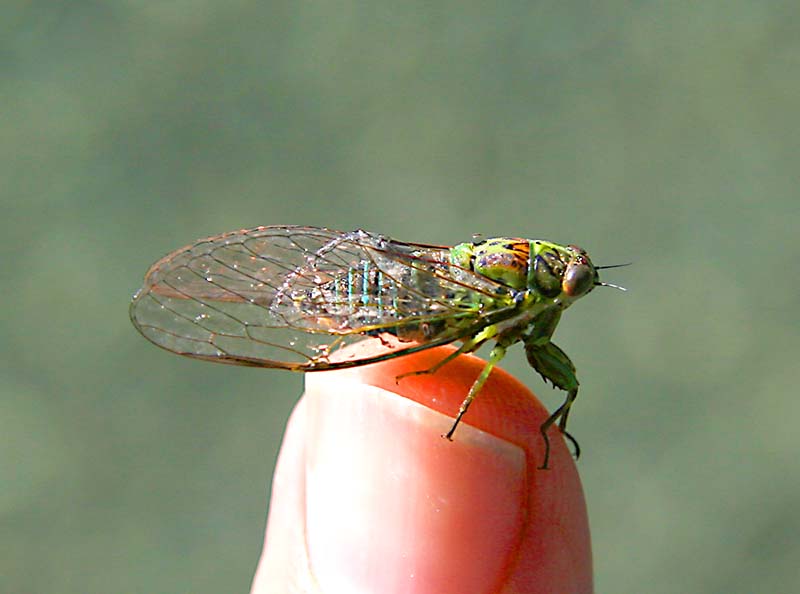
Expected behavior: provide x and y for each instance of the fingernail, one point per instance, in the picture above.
(394, 507)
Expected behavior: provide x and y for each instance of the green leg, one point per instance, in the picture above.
(473, 344)
(560, 413)
(555, 366)
(498, 352)
(467, 347)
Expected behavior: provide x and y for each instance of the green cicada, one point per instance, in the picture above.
(291, 297)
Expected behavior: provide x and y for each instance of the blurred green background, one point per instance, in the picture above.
(661, 133)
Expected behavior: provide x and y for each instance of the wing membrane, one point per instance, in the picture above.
(291, 297)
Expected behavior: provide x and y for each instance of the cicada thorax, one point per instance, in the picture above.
(517, 263)
(504, 260)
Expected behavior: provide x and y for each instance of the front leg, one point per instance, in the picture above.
(554, 365)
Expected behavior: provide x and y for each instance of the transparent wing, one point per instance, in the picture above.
(292, 297)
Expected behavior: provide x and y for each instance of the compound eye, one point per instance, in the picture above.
(579, 279)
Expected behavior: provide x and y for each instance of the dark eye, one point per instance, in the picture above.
(578, 280)
(547, 282)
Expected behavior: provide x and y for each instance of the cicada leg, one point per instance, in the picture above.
(473, 344)
(554, 365)
(466, 348)
(561, 415)
(496, 355)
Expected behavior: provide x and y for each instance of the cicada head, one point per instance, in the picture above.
(547, 270)
(561, 271)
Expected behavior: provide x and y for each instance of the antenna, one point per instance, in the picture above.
(609, 284)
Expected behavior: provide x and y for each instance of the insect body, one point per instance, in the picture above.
(292, 297)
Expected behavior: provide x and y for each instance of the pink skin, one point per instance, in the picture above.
(368, 497)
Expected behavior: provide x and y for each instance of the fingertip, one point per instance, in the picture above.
(389, 505)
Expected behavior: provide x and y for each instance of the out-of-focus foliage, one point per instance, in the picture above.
(662, 133)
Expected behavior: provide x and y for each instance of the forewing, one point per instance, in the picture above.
(292, 297)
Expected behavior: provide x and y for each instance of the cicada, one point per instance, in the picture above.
(293, 298)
